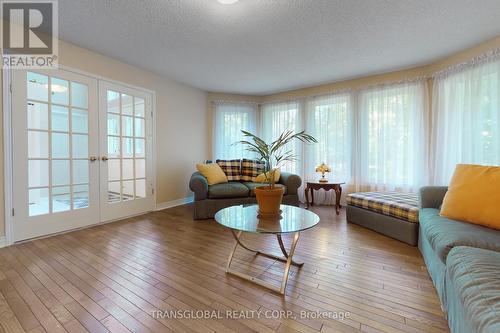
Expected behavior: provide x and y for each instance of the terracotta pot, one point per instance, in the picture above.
(269, 200)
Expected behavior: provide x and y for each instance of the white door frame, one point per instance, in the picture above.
(9, 214)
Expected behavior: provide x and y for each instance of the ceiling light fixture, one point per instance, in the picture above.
(227, 2)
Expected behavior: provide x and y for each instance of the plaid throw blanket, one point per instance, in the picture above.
(232, 169)
(251, 169)
(400, 205)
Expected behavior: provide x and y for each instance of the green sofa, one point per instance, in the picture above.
(209, 199)
(463, 261)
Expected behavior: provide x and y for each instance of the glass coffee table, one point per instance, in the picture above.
(243, 218)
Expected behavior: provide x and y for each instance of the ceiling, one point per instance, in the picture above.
(265, 46)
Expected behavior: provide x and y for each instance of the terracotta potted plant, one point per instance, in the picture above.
(274, 155)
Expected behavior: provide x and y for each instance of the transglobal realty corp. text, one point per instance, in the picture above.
(249, 314)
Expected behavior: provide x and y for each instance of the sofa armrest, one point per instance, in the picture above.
(432, 196)
(291, 181)
(199, 185)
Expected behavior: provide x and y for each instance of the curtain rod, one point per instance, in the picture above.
(350, 90)
(229, 101)
(481, 59)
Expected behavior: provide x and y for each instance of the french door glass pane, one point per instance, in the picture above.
(128, 147)
(60, 118)
(38, 116)
(127, 106)
(79, 120)
(139, 127)
(114, 191)
(80, 171)
(113, 101)
(80, 145)
(61, 199)
(60, 145)
(139, 148)
(128, 168)
(38, 173)
(114, 172)
(127, 126)
(80, 196)
(38, 87)
(60, 172)
(59, 90)
(38, 144)
(113, 124)
(113, 146)
(140, 168)
(79, 95)
(128, 190)
(38, 201)
(58, 165)
(138, 107)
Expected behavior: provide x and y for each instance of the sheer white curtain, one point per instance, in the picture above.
(466, 113)
(330, 120)
(229, 120)
(277, 118)
(392, 138)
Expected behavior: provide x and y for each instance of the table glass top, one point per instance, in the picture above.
(244, 218)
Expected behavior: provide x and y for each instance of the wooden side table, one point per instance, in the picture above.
(316, 185)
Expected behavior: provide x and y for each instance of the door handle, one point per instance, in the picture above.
(93, 158)
(104, 158)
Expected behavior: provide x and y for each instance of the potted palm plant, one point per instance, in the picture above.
(274, 155)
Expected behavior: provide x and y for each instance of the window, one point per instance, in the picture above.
(392, 137)
(467, 119)
(229, 120)
(278, 118)
(330, 120)
(373, 139)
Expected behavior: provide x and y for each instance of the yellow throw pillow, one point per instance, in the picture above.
(262, 177)
(212, 172)
(474, 195)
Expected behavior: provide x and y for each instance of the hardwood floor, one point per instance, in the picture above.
(116, 277)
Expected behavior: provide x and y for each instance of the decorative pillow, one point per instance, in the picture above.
(251, 169)
(473, 195)
(262, 177)
(212, 172)
(232, 169)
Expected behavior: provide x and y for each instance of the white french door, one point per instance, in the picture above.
(54, 122)
(126, 151)
(81, 154)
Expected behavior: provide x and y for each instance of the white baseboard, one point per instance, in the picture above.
(3, 242)
(174, 203)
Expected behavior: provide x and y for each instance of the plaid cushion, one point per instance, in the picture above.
(232, 169)
(250, 169)
(400, 205)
